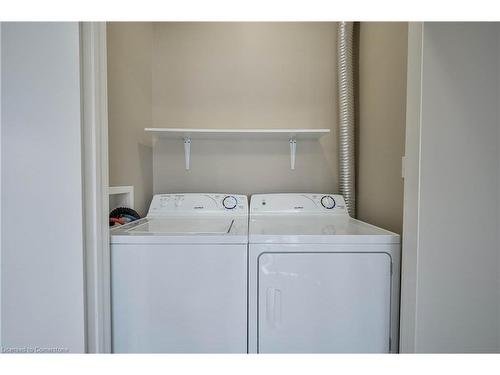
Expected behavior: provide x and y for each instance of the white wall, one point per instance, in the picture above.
(245, 75)
(381, 123)
(451, 252)
(129, 47)
(41, 194)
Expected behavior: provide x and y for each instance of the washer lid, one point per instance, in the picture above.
(315, 229)
(183, 225)
(205, 229)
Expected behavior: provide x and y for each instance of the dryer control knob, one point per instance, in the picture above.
(328, 202)
(229, 202)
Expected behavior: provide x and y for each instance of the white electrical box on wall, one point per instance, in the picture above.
(121, 196)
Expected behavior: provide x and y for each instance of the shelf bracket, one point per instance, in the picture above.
(187, 151)
(293, 150)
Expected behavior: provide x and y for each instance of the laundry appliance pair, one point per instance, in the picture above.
(287, 273)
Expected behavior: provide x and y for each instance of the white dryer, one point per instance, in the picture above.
(319, 280)
(179, 276)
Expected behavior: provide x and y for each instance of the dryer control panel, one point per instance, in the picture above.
(194, 203)
(298, 203)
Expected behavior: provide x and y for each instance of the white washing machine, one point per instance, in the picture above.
(179, 277)
(319, 280)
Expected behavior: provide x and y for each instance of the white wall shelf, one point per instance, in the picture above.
(187, 135)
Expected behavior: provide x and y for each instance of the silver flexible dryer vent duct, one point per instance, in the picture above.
(346, 115)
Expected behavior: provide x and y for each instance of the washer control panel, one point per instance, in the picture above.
(298, 203)
(194, 203)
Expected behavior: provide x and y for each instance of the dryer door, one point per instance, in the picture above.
(324, 303)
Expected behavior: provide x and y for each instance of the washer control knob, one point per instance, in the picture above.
(229, 202)
(328, 202)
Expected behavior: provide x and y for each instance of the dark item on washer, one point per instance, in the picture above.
(122, 212)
